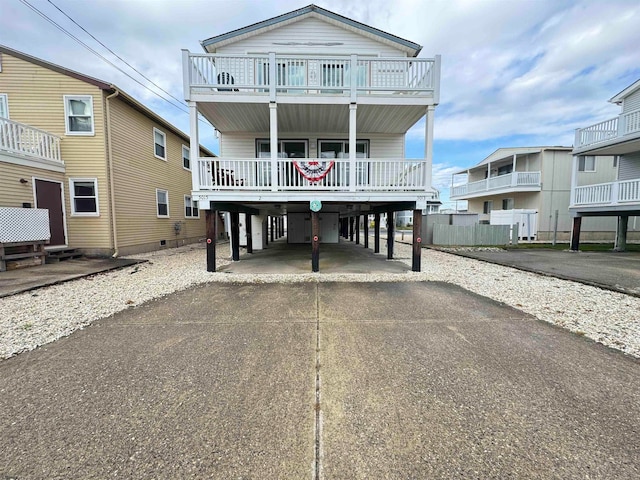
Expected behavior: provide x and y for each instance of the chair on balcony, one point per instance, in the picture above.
(224, 78)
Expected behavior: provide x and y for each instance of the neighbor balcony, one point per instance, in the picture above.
(615, 136)
(612, 194)
(268, 76)
(20, 140)
(511, 182)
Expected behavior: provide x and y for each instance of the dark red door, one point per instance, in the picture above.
(49, 196)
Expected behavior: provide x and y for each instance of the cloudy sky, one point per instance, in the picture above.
(515, 72)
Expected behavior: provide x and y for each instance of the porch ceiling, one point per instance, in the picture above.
(301, 118)
(612, 147)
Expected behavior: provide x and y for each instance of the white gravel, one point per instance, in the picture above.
(41, 316)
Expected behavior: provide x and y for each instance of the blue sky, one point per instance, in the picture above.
(514, 73)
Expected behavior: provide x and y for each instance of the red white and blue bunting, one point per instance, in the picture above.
(313, 170)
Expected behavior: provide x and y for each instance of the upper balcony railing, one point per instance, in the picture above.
(288, 174)
(272, 73)
(614, 128)
(520, 179)
(25, 140)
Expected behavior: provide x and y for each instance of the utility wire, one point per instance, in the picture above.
(114, 53)
(69, 34)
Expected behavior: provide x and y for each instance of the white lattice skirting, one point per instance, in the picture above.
(24, 225)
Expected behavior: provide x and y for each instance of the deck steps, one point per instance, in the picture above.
(55, 256)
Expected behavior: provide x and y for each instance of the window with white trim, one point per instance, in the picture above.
(159, 144)
(191, 207)
(84, 197)
(487, 206)
(186, 158)
(4, 106)
(162, 203)
(587, 163)
(78, 113)
(507, 203)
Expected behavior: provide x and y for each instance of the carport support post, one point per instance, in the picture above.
(247, 219)
(417, 240)
(365, 225)
(376, 233)
(357, 229)
(575, 234)
(390, 235)
(315, 241)
(273, 225)
(621, 234)
(235, 236)
(351, 228)
(212, 222)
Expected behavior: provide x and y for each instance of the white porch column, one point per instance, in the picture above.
(574, 180)
(353, 108)
(514, 175)
(194, 146)
(273, 121)
(428, 146)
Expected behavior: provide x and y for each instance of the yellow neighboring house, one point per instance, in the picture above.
(115, 177)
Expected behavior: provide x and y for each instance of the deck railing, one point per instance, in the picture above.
(26, 140)
(255, 174)
(611, 193)
(624, 124)
(520, 179)
(305, 74)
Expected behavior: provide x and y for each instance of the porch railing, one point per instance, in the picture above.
(263, 74)
(510, 180)
(612, 193)
(624, 124)
(26, 140)
(255, 174)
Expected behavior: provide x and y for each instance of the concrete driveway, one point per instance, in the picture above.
(618, 271)
(329, 380)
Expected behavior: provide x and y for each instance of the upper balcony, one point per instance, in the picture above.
(510, 182)
(615, 136)
(289, 178)
(24, 141)
(311, 79)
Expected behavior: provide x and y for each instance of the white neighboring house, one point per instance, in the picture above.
(311, 106)
(529, 179)
(617, 140)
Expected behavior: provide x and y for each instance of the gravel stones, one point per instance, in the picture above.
(35, 318)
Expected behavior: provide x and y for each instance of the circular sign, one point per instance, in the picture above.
(208, 240)
(315, 238)
(419, 240)
(315, 205)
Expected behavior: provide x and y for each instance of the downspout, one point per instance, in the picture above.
(114, 234)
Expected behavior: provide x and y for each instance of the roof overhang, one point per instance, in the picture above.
(210, 45)
(508, 153)
(626, 92)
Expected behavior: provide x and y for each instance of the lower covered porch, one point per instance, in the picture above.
(313, 227)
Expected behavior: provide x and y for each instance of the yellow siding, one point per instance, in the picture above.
(13, 193)
(35, 97)
(137, 173)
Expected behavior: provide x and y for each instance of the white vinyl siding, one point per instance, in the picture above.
(4, 106)
(186, 159)
(311, 36)
(162, 203)
(84, 197)
(244, 145)
(629, 167)
(191, 207)
(632, 102)
(159, 144)
(78, 113)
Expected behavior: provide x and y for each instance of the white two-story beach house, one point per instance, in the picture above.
(619, 140)
(312, 109)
